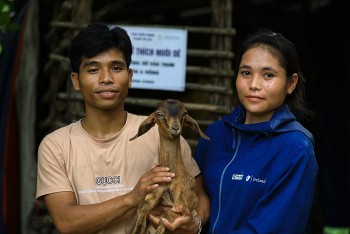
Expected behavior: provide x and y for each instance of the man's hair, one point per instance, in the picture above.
(97, 38)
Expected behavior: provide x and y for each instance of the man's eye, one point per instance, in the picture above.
(93, 70)
(116, 68)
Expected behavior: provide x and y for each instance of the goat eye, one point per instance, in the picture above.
(160, 114)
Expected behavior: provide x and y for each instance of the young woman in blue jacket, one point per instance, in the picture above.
(259, 165)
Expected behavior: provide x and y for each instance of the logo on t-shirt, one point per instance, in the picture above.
(107, 184)
(107, 180)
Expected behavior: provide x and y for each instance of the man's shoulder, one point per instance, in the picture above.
(135, 117)
(135, 120)
(133, 123)
(63, 132)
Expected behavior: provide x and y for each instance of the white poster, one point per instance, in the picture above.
(158, 58)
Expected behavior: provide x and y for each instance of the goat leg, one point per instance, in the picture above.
(160, 228)
(151, 200)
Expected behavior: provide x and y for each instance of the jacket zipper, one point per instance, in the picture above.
(223, 172)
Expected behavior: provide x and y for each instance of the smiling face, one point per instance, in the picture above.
(262, 84)
(103, 81)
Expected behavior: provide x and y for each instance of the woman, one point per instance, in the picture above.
(259, 166)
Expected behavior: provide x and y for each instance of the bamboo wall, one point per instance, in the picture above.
(208, 92)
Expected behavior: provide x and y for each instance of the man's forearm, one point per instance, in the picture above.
(73, 218)
(203, 209)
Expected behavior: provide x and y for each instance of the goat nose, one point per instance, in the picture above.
(175, 126)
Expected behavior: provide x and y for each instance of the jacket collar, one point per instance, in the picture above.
(282, 121)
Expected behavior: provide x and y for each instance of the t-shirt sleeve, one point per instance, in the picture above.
(188, 160)
(51, 174)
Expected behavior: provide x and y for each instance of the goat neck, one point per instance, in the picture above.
(170, 153)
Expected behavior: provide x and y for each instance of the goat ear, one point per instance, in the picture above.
(189, 121)
(146, 125)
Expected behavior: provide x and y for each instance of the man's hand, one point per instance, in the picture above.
(185, 223)
(149, 182)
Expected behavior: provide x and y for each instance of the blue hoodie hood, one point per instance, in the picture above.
(282, 121)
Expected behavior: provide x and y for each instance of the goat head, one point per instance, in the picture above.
(173, 114)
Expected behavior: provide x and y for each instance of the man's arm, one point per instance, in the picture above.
(69, 217)
(203, 209)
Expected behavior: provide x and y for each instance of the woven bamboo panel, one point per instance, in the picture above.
(208, 90)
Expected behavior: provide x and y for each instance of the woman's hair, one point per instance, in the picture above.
(285, 53)
(97, 38)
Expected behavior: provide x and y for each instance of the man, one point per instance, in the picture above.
(91, 177)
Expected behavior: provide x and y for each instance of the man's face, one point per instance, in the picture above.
(103, 81)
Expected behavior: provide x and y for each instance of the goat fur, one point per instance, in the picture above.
(170, 116)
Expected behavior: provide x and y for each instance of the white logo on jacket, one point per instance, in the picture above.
(251, 178)
(237, 177)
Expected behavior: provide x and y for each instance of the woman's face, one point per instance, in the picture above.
(262, 84)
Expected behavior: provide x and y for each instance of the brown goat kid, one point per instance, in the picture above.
(170, 116)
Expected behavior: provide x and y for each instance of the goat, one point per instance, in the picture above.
(170, 116)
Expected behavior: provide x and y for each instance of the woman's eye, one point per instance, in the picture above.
(245, 73)
(269, 75)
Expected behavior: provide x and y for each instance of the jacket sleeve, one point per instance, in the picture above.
(285, 206)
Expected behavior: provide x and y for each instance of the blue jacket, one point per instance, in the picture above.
(260, 177)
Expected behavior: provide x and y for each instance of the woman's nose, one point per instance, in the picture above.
(255, 83)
